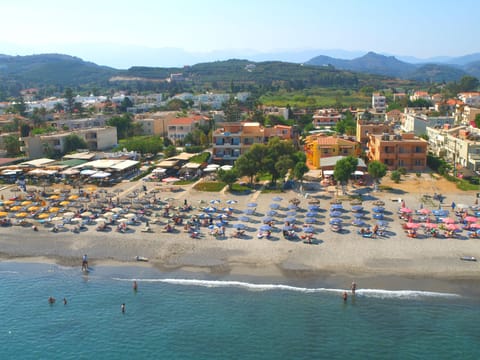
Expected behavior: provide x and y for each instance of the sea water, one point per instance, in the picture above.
(173, 317)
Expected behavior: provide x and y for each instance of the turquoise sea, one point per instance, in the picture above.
(182, 317)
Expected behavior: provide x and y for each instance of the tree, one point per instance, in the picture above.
(125, 104)
(74, 142)
(377, 170)
(300, 170)
(278, 151)
(231, 109)
(395, 176)
(12, 145)
(344, 169)
(124, 125)
(69, 100)
(228, 176)
(468, 83)
(143, 144)
(250, 163)
(170, 151)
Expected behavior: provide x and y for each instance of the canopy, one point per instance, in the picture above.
(100, 175)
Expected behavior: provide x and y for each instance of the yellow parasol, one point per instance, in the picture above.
(64, 203)
(91, 188)
(3, 213)
(9, 202)
(33, 208)
(43, 216)
(21, 215)
(54, 197)
(26, 202)
(73, 197)
(16, 208)
(53, 209)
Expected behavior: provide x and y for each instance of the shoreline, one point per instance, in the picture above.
(465, 286)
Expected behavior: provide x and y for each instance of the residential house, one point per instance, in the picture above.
(418, 123)
(155, 123)
(417, 95)
(366, 128)
(379, 103)
(470, 98)
(395, 151)
(178, 128)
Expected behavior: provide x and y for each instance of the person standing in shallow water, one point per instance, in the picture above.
(353, 287)
(135, 286)
(345, 296)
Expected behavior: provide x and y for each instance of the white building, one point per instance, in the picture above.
(379, 103)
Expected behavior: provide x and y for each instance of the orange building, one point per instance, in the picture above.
(321, 146)
(395, 151)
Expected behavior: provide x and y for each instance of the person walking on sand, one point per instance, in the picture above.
(353, 287)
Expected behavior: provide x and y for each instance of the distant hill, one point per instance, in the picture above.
(390, 66)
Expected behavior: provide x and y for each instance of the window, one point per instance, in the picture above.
(418, 162)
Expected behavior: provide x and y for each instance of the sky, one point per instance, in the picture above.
(124, 33)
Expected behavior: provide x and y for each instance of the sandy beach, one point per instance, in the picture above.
(332, 256)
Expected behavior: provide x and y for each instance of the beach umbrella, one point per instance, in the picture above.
(100, 220)
(54, 197)
(357, 208)
(122, 220)
(358, 222)
(265, 228)
(290, 219)
(129, 216)
(277, 198)
(244, 218)
(411, 225)
(73, 197)
(310, 220)
(69, 214)
(382, 223)
(239, 226)
(405, 210)
(117, 210)
(448, 220)
(271, 213)
(440, 212)
(86, 214)
(222, 216)
(54, 209)
(337, 207)
(64, 203)
(9, 202)
(424, 211)
(3, 213)
(57, 218)
(33, 208)
(25, 203)
(358, 215)
(210, 209)
(274, 206)
(335, 221)
(16, 208)
(43, 216)
(21, 215)
(204, 215)
(313, 207)
(430, 225)
(312, 214)
(292, 207)
(475, 226)
(291, 213)
(230, 202)
(378, 209)
(287, 228)
(252, 204)
(267, 219)
(227, 209)
(470, 219)
(215, 201)
(308, 229)
(335, 214)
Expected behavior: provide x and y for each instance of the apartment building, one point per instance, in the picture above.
(379, 103)
(320, 146)
(155, 123)
(470, 98)
(102, 138)
(233, 139)
(178, 128)
(418, 123)
(366, 128)
(417, 95)
(326, 117)
(395, 151)
(465, 115)
(75, 124)
(459, 146)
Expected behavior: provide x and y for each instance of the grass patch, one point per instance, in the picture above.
(184, 182)
(200, 158)
(212, 186)
(385, 188)
(466, 185)
(239, 187)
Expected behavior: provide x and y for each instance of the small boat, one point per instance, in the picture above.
(141, 258)
(468, 258)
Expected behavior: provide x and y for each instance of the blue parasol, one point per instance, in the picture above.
(244, 218)
(271, 213)
(335, 214)
(265, 228)
(252, 204)
(308, 229)
(277, 198)
(335, 221)
(378, 209)
(313, 207)
(310, 220)
(290, 219)
(239, 226)
(357, 208)
(267, 219)
(291, 213)
(274, 206)
(358, 215)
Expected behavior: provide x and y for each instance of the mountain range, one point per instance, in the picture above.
(449, 69)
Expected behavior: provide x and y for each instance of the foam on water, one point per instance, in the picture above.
(374, 293)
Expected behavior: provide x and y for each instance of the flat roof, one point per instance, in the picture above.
(81, 156)
(124, 164)
(167, 163)
(37, 162)
(182, 156)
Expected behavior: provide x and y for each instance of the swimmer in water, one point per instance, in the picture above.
(51, 300)
(345, 296)
(135, 286)
(64, 301)
(123, 308)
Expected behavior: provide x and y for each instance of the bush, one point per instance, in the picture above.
(402, 171)
(418, 174)
(396, 176)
